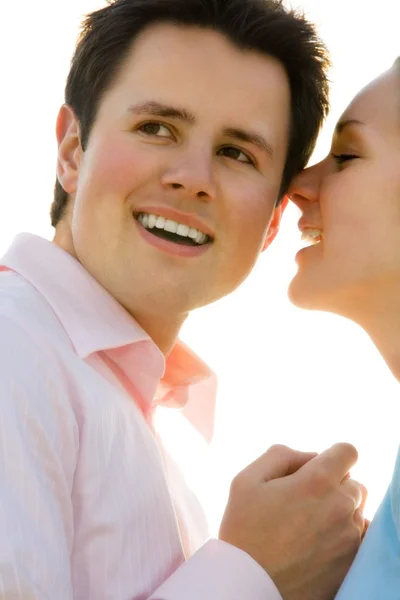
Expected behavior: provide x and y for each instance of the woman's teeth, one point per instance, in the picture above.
(311, 236)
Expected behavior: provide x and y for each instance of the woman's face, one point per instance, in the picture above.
(350, 205)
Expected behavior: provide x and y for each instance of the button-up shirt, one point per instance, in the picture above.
(89, 509)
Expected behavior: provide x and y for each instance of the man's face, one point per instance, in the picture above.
(192, 138)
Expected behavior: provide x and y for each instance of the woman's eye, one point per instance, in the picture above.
(236, 154)
(156, 129)
(342, 158)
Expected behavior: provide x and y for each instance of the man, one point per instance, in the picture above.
(183, 124)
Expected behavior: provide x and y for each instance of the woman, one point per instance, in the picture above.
(350, 205)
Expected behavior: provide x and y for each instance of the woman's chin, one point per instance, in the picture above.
(312, 295)
(305, 294)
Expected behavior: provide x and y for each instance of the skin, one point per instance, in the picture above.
(300, 517)
(355, 270)
(191, 165)
(137, 159)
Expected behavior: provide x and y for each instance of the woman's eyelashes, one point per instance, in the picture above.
(343, 158)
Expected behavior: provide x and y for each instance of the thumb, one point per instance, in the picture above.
(279, 461)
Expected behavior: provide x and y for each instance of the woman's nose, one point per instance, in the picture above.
(304, 188)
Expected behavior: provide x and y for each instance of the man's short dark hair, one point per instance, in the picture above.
(264, 26)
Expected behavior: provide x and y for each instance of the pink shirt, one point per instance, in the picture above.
(87, 511)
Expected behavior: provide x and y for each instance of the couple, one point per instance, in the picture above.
(187, 126)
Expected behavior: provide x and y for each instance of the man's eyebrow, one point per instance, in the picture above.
(250, 138)
(158, 109)
(346, 123)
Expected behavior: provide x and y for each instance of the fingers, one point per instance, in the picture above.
(359, 519)
(364, 492)
(335, 462)
(279, 461)
(355, 491)
(367, 523)
(358, 494)
(331, 467)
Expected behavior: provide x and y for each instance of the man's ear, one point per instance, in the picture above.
(69, 149)
(275, 223)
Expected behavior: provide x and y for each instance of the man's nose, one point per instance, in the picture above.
(193, 174)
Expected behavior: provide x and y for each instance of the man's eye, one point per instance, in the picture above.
(235, 154)
(342, 158)
(156, 129)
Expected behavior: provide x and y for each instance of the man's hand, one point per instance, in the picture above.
(299, 515)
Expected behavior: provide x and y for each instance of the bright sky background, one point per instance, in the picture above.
(286, 376)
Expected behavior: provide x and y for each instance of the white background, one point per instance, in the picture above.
(287, 376)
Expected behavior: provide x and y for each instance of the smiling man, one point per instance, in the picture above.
(163, 153)
(183, 123)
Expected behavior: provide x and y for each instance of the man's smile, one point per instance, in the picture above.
(172, 230)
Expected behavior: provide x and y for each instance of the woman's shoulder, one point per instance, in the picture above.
(395, 493)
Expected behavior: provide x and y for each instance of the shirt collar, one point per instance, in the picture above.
(95, 322)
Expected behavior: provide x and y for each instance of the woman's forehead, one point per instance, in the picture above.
(378, 104)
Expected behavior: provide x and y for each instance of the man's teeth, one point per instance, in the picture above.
(150, 221)
(312, 236)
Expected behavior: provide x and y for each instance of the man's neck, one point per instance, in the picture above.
(163, 330)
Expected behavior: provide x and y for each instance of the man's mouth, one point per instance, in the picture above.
(176, 232)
